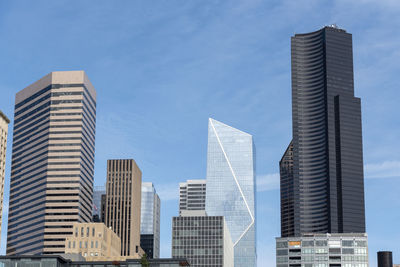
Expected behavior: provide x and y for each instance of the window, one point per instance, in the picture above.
(73, 244)
(91, 245)
(97, 244)
(308, 243)
(360, 251)
(347, 250)
(80, 244)
(85, 244)
(69, 244)
(321, 251)
(347, 243)
(360, 243)
(281, 252)
(334, 250)
(93, 231)
(82, 231)
(281, 245)
(87, 232)
(307, 251)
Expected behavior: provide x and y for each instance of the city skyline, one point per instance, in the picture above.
(222, 60)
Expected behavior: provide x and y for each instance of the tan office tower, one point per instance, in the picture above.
(123, 203)
(4, 121)
(52, 162)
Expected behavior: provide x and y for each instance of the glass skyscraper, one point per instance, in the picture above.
(97, 193)
(230, 190)
(150, 221)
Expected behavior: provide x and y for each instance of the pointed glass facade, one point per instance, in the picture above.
(230, 190)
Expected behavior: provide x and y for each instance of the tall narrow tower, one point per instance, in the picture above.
(230, 190)
(52, 162)
(150, 221)
(327, 159)
(123, 203)
(4, 121)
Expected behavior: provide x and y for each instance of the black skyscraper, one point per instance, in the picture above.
(322, 180)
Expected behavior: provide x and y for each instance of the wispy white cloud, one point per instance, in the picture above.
(384, 169)
(267, 182)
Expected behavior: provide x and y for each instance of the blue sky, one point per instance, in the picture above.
(162, 68)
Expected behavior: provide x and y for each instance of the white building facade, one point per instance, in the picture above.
(323, 250)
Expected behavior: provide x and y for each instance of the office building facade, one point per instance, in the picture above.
(4, 121)
(231, 187)
(93, 241)
(97, 193)
(322, 250)
(58, 261)
(203, 240)
(52, 162)
(150, 221)
(123, 203)
(324, 191)
(192, 195)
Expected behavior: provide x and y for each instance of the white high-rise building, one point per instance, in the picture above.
(231, 187)
(192, 195)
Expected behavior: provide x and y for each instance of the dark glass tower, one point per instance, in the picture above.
(327, 175)
(287, 192)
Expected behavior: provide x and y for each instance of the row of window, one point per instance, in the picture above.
(324, 243)
(71, 244)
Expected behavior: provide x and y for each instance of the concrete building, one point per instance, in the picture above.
(192, 195)
(97, 193)
(4, 121)
(94, 241)
(52, 162)
(204, 240)
(322, 250)
(58, 261)
(231, 187)
(123, 203)
(150, 221)
(325, 156)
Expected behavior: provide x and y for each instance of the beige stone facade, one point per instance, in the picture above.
(123, 203)
(52, 162)
(94, 241)
(4, 121)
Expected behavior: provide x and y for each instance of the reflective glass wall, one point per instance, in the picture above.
(230, 190)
